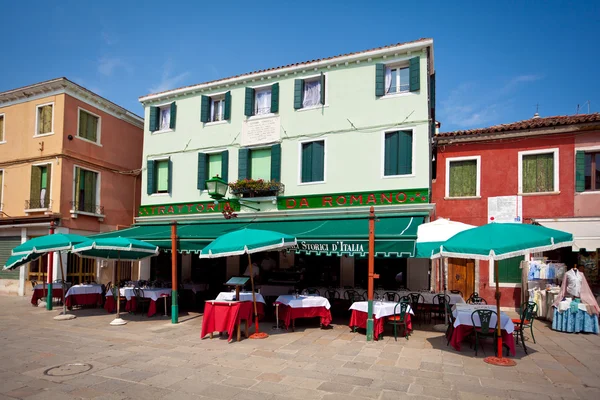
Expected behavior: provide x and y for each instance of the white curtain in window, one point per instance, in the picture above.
(165, 117)
(312, 93)
(262, 103)
(212, 110)
(43, 198)
(388, 79)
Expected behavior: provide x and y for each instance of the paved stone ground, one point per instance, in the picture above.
(152, 359)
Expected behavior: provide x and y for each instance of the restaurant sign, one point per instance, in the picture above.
(202, 207)
(376, 198)
(332, 247)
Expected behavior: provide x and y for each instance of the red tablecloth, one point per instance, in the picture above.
(39, 294)
(287, 314)
(462, 331)
(130, 306)
(87, 299)
(359, 319)
(221, 317)
(247, 311)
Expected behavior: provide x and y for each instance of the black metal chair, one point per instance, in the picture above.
(417, 303)
(399, 319)
(353, 296)
(456, 292)
(528, 311)
(313, 290)
(33, 283)
(116, 293)
(451, 319)
(391, 296)
(438, 309)
(476, 299)
(140, 300)
(484, 329)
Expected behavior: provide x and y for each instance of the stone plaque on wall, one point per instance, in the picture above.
(261, 131)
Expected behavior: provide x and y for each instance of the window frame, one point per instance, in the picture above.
(589, 150)
(555, 154)
(159, 106)
(259, 147)
(492, 277)
(221, 99)
(98, 127)
(449, 160)
(398, 62)
(413, 160)
(3, 116)
(311, 78)
(49, 194)
(98, 188)
(208, 154)
(37, 120)
(300, 143)
(262, 88)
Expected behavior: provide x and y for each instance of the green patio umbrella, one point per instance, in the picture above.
(116, 248)
(248, 241)
(497, 241)
(38, 247)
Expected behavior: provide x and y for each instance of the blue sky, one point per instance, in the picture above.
(494, 63)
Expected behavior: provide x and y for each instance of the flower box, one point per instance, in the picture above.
(255, 188)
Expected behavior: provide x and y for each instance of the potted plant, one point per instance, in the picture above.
(255, 188)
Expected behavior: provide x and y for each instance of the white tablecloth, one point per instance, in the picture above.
(244, 296)
(196, 287)
(55, 285)
(303, 301)
(462, 314)
(380, 308)
(84, 289)
(153, 294)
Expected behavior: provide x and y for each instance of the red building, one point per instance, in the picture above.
(541, 170)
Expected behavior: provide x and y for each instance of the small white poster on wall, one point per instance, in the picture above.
(261, 131)
(505, 209)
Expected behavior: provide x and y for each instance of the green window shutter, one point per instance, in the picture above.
(6, 246)
(204, 109)
(463, 178)
(432, 92)
(170, 176)
(276, 162)
(227, 111)
(260, 164)
(1, 184)
(48, 170)
(509, 270)
(322, 88)
(150, 188)
(225, 165)
(405, 152)
(379, 79)
(82, 123)
(201, 171)
(243, 161)
(275, 98)
(415, 74)
(36, 182)
(153, 119)
(391, 154)
(579, 171)
(307, 164)
(173, 115)
(318, 161)
(538, 173)
(77, 186)
(298, 90)
(249, 102)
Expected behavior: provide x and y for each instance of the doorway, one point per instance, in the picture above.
(461, 275)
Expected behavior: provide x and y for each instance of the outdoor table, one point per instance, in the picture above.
(224, 316)
(427, 296)
(463, 326)
(292, 307)
(381, 310)
(84, 295)
(196, 287)
(246, 297)
(39, 292)
(131, 305)
(565, 320)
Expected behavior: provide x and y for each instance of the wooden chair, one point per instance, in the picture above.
(528, 311)
(484, 329)
(399, 319)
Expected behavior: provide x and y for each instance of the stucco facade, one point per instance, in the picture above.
(52, 144)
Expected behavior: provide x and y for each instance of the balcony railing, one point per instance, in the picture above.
(92, 208)
(38, 204)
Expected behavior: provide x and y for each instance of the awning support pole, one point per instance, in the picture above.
(372, 275)
(174, 302)
(50, 273)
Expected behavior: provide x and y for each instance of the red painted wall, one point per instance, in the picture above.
(499, 177)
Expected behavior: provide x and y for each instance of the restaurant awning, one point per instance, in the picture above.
(395, 234)
(585, 230)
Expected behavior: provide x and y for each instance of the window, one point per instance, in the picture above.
(592, 171)
(40, 187)
(397, 80)
(538, 171)
(215, 108)
(44, 119)
(162, 118)
(312, 156)
(39, 268)
(398, 147)
(309, 92)
(159, 176)
(89, 126)
(211, 165)
(86, 191)
(214, 164)
(260, 164)
(262, 101)
(80, 269)
(463, 176)
(509, 270)
(2, 128)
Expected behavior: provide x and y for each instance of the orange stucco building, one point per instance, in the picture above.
(68, 157)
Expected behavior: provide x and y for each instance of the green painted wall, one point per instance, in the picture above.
(353, 156)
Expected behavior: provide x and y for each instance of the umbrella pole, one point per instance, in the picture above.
(118, 320)
(505, 362)
(256, 334)
(63, 316)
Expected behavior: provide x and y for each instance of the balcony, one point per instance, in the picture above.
(83, 208)
(38, 205)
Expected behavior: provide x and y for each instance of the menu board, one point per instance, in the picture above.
(505, 209)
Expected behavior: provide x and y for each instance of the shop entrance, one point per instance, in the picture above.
(461, 275)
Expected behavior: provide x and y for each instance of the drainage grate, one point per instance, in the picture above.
(68, 369)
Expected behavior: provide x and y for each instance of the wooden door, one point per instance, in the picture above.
(461, 276)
